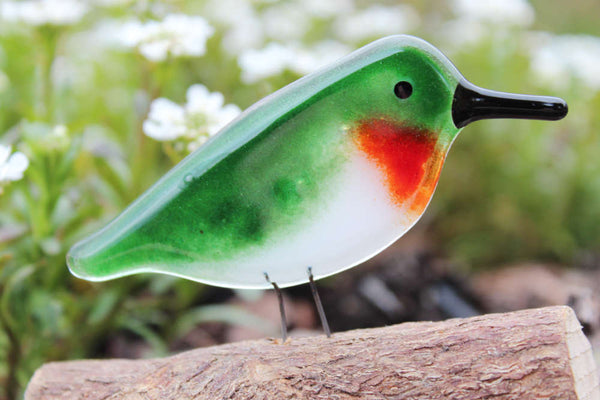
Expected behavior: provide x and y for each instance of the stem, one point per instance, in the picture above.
(49, 38)
(170, 151)
(13, 358)
(98, 332)
(145, 152)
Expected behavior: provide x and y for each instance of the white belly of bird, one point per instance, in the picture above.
(356, 223)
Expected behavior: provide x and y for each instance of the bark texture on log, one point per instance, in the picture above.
(531, 354)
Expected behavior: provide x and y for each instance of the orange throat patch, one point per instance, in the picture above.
(408, 158)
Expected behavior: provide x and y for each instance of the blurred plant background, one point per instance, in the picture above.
(99, 98)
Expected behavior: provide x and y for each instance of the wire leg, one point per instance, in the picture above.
(315, 293)
(281, 308)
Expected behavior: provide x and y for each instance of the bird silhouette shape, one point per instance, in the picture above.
(324, 173)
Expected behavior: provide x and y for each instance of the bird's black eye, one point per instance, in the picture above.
(403, 90)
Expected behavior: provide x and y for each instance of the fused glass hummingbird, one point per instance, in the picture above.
(324, 173)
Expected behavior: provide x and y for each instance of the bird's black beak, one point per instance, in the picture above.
(472, 103)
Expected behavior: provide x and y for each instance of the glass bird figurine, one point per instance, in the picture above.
(324, 173)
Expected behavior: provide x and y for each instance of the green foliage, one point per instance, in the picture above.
(510, 190)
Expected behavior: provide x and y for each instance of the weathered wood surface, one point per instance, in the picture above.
(531, 354)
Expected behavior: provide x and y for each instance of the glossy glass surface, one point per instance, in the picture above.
(325, 173)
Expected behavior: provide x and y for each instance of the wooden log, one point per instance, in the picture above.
(531, 354)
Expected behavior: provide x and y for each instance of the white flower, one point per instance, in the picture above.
(329, 8)
(242, 27)
(246, 34)
(462, 33)
(482, 20)
(43, 12)
(376, 21)
(276, 58)
(203, 115)
(45, 138)
(323, 53)
(205, 111)
(558, 60)
(11, 166)
(504, 12)
(110, 3)
(269, 61)
(166, 120)
(286, 21)
(177, 34)
(229, 12)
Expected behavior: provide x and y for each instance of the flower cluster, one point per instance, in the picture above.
(203, 115)
(43, 12)
(277, 36)
(557, 60)
(506, 12)
(11, 166)
(111, 3)
(478, 20)
(276, 58)
(239, 23)
(246, 27)
(176, 35)
(376, 21)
